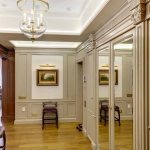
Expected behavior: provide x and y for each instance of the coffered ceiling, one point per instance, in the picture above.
(67, 20)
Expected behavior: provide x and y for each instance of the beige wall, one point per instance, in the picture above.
(29, 108)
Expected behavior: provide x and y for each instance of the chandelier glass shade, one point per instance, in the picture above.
(33, 11)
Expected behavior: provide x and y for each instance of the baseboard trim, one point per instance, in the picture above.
(28, 121)
(67, 120)
(94, 147)
(93, 144)
(126, 117)
(84, 132)
(39, 121)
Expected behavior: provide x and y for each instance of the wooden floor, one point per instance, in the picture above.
(32, 137)
(123, 136)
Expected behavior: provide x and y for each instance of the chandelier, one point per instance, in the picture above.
(33, 11)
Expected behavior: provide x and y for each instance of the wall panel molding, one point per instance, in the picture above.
(138, 13)
(139, 86)
(29, 109)
(118, 25)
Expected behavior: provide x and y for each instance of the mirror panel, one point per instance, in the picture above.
(103, 74)
(123, 94)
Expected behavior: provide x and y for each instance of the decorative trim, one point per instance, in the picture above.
(42, 51)
(39, 121)
(93, 145)
(148, 10)
(138, 13)
(84, 131)
(126, 117)
(92, 43)
(45, 100)
(118, 25)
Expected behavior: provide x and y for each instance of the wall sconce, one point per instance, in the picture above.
(47, 65)
(106, 66)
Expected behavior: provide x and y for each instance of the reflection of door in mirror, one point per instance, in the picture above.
(103, 75)
(79, 95)
(123, 94)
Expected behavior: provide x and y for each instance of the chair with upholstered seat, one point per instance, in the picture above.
(104, 111)
(49, 113)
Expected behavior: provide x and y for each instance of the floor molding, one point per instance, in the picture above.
(39, 121)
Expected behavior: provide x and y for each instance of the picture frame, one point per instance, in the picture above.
(104, 77)
(47, 77)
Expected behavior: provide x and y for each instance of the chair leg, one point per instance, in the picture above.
(43, 120)
(119, 117)
(100, 115)
(57, 119)
(105, 116)
(4, 138)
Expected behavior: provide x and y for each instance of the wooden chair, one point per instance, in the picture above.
(104, 111)
(49, 113)
(2, 138)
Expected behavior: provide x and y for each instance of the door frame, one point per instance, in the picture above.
(79, 90)
(84, 121)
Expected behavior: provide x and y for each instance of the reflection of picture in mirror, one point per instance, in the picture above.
(104, 77)
(47, 77)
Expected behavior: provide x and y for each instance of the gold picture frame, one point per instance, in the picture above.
(47, 77)
(104, 77)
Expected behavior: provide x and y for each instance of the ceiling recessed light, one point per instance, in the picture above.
(46, 44)
(4, 5)
(68, 9)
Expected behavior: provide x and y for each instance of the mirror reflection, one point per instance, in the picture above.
(122, 123)
(104, 99)
(124, 94)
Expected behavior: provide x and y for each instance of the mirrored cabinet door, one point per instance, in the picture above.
(123, 93)
(115, 93)
(104, 96)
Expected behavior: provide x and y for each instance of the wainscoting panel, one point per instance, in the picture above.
(71, 77)
(21, 111)
(33, 110)
(71, 110)
(21, 77)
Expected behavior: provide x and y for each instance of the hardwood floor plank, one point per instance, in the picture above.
(123, 136)
(32, 137)
(25, 137)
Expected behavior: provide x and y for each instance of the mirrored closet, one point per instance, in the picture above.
(115, 94)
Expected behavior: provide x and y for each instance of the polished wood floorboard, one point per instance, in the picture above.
(123, 136)
(32, 137)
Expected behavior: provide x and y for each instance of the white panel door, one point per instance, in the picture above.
(91, 100)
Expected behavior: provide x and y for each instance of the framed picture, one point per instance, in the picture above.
(47, 77)
(104, 77)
